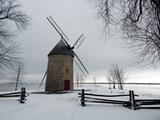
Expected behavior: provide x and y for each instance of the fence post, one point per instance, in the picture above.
(129, 104)
(130, 95)
(83, 98)
(23, 95)
(133, 103)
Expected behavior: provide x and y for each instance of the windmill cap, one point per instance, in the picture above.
(61, 49)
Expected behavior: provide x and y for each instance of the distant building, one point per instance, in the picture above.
(60, 68)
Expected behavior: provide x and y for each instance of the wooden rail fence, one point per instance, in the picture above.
(22, 94)
(132, 103)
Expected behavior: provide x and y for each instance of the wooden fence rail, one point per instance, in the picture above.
(23, 94)
(89, 94)
(132, 103)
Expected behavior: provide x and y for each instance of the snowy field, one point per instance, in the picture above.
(67, 107)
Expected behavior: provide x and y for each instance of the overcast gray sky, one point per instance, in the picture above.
(74, 17)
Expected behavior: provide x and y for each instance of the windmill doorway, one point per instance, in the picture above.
(67, 85)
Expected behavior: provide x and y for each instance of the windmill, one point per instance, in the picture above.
(59, 74)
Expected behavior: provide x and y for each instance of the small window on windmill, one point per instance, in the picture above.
(67, 70)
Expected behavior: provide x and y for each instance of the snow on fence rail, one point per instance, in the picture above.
(132, 103)
(22, 94)
(126, 83)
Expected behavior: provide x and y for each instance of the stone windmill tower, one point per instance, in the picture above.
(59, 75)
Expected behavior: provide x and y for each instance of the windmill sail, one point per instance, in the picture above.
(62, 33)
(77, 44)
(80, 68)
(79, 41)
(59, 30)
(80, 65)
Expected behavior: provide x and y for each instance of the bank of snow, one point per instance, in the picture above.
(67, 107)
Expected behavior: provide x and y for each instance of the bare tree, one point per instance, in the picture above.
(109, 81)
(119, 73)
(77, 79)
(116, 75)
(81, 79)
(140, 23)
(94, 80)
(11, 19)
(111, 78)
(19, 71)
(8, 55)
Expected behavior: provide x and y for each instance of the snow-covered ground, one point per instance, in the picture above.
(67, 107)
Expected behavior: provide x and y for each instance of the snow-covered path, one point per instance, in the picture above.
(67, 107)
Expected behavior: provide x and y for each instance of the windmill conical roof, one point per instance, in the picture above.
(61, 49)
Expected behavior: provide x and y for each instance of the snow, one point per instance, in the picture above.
(67, 107)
